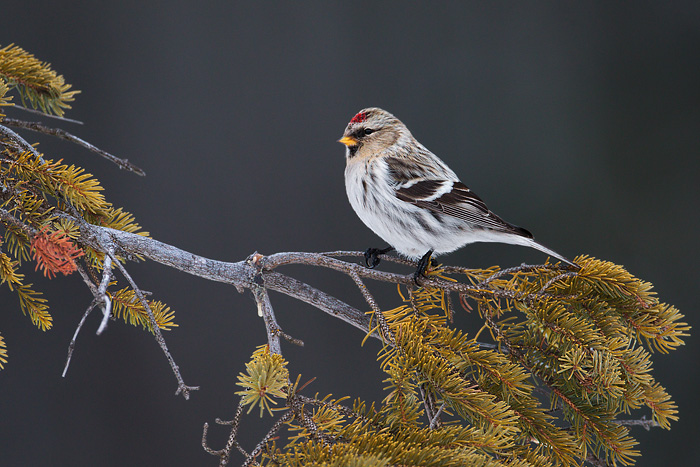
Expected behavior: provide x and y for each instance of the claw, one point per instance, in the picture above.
(372, 256)
(422, 266)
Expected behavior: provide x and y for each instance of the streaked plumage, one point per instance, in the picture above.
(411, 198)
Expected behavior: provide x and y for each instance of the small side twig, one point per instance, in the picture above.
(596, 461)
(263, 442)
(101, 298)
(384, 326)
(555, 279)
(18, 142)
(268, 315)
(300, 414)
(225, 453)
(431, 412)
(265, 311)
(71, 346)
(102, 293)
(434, 422)
(450, 307)
(504, 272)
(47, 115)
(41, 128)
(348, 412)
(87, 279)
(644, 422)
(181, 386)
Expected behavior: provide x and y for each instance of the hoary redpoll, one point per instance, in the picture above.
(411, 199)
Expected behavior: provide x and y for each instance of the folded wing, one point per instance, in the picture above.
(457, 200)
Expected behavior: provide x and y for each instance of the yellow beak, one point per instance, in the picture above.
(348, 141)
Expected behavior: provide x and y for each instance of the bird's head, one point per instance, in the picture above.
(371, 131)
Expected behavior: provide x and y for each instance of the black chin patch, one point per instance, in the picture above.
(352, 150)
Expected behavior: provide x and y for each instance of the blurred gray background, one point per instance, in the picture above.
(579, 121)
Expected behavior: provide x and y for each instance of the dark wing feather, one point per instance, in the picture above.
(459, 202)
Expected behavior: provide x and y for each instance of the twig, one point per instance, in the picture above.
(39, 112)
(102, 293)
(225, 453)
(386, 331)
(348, 412)
(87, 279)
(596, 461)
(262, 299)
(643, 422)
(450, 308)
(318, 299)
(101, 298)
(434, 422)
(555, 279)
(429, 405)
(18, 142)
(290, 339)
(273, 431)
(103, 241)
(181, 386)
(307, 422)
(242, 275)
(504, 272)
(385, 257)
(41, 128)
(71, 346)
(271, 326)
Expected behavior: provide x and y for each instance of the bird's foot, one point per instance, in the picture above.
(372, 256)
(422, 266)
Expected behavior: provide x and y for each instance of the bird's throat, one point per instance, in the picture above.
(351, 151)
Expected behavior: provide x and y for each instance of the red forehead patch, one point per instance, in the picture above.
(359, 118)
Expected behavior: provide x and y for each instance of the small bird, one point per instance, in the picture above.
(412, 199)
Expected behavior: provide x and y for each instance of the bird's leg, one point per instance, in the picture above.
(372, 256)
(422, 266)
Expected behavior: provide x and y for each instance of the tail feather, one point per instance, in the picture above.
(533, 244)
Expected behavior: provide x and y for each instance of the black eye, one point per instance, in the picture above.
(368, 131)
